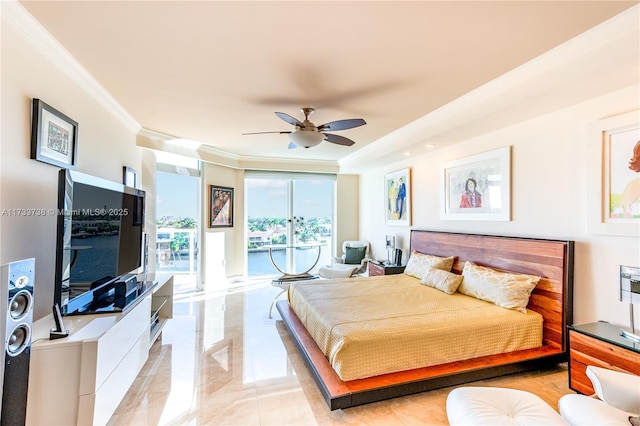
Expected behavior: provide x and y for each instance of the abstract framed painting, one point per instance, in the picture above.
(220, 207)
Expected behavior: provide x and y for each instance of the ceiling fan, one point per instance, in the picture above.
(307, 135)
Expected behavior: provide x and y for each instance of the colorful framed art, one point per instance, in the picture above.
(477, 187)
(397, 187)
(220, 207)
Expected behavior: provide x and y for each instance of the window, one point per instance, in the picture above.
(291, 216)
(177, 213)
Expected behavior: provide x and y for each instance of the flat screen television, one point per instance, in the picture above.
(99, 243)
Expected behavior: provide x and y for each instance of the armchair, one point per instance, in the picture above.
(352, 251)
(618, 400)
(618, 404)
(353, 260)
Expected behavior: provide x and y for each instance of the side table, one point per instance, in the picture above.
(602, 345)
(381, 268)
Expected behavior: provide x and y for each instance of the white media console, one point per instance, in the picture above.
(81, 379)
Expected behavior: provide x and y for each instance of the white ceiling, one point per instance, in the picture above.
(209, 71)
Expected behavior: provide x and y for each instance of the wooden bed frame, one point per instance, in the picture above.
(552, 260)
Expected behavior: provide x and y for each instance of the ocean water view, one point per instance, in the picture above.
(269, 221)
(259, 263)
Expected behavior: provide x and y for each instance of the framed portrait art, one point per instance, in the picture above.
(129, 177)
(54, 136)
(220, 207)
(614, 180)
(477, 187)
(397, 188)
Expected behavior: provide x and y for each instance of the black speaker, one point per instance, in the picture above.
(16, 291)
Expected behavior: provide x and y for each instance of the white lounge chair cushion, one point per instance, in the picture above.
(582, 410)
(498, 406)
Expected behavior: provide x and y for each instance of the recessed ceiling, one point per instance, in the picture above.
(209, 71)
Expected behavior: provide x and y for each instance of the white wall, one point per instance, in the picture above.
(347, 211)
(550, 186)
(105, 145)
(224, 250)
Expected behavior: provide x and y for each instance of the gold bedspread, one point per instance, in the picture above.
(377, 325)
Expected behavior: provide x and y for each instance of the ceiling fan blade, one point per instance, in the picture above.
(262, 133)
(292, 145)
(337, 139)
(342, 124)
(289, 119)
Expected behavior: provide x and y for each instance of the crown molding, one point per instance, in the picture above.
(289, 164)
(162, 142)
(26, 26)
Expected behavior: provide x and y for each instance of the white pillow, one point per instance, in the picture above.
(419, 262)
(444, 281)
(505, 289)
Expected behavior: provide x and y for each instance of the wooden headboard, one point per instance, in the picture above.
(552, 260)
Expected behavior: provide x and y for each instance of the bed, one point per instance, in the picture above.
(344, 385)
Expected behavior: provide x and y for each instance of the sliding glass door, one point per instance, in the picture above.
(289, 222)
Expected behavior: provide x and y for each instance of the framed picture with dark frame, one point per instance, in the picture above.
(129, 177)
(54, 136)
(220, 207)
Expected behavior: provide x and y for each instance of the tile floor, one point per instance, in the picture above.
(223, 361)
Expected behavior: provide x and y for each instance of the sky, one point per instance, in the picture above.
(268, 198)
(176, 195)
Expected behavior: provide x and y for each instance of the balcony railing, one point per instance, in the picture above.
(176, 250)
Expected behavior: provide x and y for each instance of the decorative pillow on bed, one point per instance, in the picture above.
(505, 289)
(419, 262)
(354, 255)
(444, 281)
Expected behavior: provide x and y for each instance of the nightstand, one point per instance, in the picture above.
(380, 268)
(599, 344)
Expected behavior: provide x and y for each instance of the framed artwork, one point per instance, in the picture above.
(397, 188)
(477, 187)
(129, 177)
(54, 136)
(614, 202)
(220, 207)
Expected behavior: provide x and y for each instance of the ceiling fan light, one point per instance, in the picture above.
(306, 138)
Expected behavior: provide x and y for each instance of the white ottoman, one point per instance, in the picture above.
(498, 406)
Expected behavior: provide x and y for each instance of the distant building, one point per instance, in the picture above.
(324, 230)
(260, 238)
